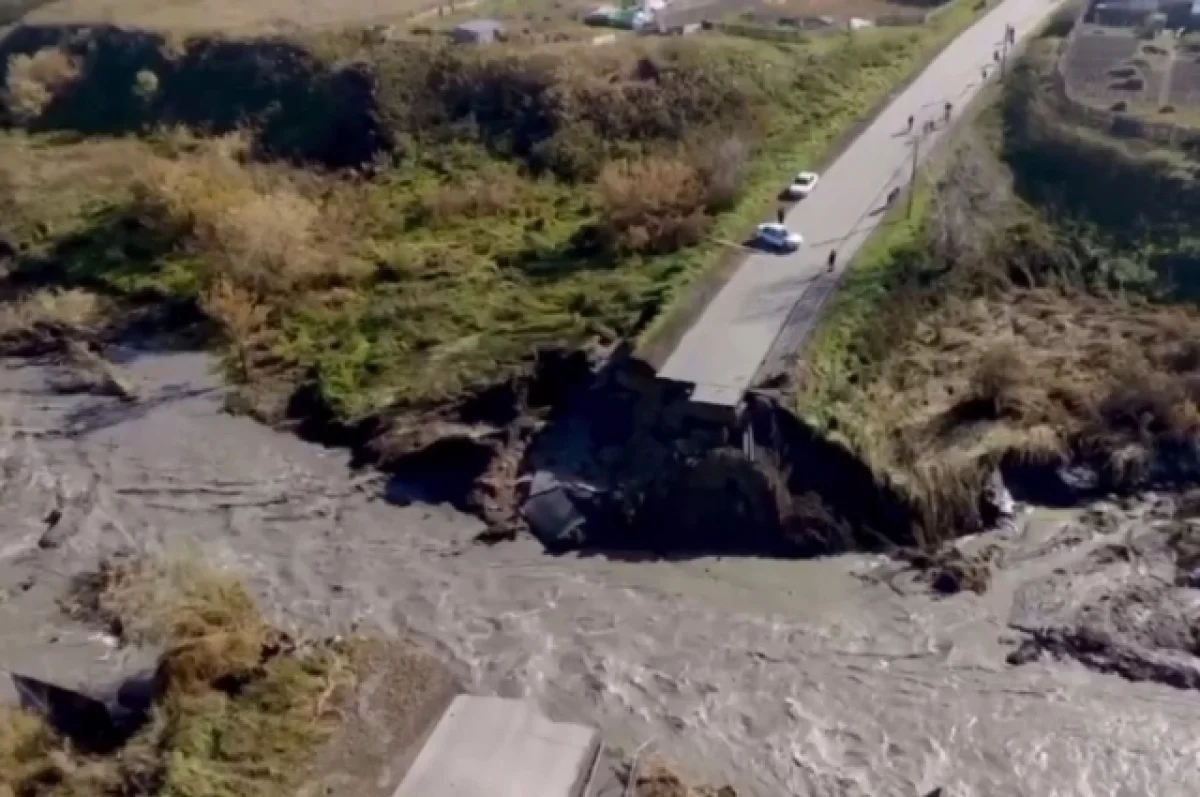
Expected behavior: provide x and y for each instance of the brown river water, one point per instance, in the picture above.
(818, 677)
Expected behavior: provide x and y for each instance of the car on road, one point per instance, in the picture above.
(802, 185)
(778, 237)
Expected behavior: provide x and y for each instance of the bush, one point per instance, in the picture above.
(35, 80)
(721, 167)
(242, 318)
(264, 236)
(145, 85)
(651, 206)
(569, 116)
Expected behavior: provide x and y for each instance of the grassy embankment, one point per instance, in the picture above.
(1031, 315)
(516, 200)
(238, 710)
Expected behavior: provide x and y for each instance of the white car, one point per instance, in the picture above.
(776, 236)
(803, 185)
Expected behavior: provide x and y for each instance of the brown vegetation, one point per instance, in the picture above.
(657, 778)
(74, 311)
(1014, 341)
(34, 80)
(254, 228)
(243, 321)
(651, 206)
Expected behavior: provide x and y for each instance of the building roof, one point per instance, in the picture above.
(481, 26)
(1129, 5)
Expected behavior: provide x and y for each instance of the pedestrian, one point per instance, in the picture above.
(985, 73)
(910, 124)
(996, 56)
(949, 109)
(832, 259)
(779, 214)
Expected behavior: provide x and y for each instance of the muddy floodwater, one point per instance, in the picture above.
(832, 677)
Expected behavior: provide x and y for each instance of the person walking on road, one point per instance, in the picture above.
(779, 214)
(910, 124)
(832, 259)
(949, 110)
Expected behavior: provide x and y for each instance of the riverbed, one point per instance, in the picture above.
(841, 676)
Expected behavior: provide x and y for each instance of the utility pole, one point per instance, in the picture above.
(912, 180)
(1009, 36)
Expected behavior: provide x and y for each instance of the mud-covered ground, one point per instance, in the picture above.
(844, 676)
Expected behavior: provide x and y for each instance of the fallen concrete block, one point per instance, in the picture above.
(493, 747)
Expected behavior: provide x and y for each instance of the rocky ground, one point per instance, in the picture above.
(846, 675)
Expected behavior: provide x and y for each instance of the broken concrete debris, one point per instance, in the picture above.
(559, 513)
(94, 724)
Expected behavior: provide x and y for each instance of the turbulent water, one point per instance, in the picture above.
(784, 678)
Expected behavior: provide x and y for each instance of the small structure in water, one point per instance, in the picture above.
(486, 746)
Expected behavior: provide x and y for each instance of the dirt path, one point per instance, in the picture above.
(804, 678)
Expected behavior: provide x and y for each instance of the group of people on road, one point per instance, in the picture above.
(1010, 38)
(931, 125)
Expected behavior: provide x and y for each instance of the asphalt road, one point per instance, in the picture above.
(772, 302)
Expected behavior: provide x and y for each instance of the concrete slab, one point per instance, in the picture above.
(717, 395)
(493, 747)
(770, 305)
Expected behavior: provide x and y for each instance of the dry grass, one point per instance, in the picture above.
(228, 15)
(240, 709)
(657, 778)
(258, 228)
(1032, 373)
(1003, 334)
(655, 205)
(34, 81)
(243, 320)
(49, 189)
(72, 310)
